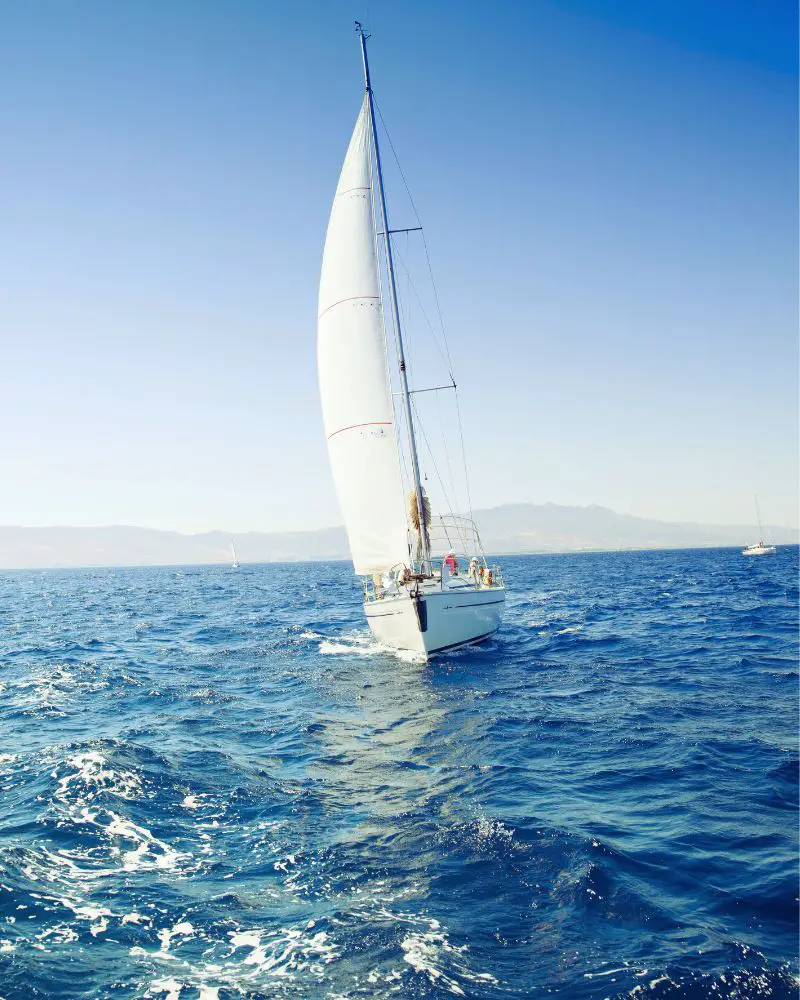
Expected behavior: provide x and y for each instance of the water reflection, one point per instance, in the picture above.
(377, 741)
(392, 767)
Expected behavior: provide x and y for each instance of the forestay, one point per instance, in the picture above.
(356, 398)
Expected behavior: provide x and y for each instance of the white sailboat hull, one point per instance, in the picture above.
(451, 618)
(759, 550)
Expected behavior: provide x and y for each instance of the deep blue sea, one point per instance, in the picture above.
(213, 784)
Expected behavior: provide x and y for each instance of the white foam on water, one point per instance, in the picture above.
(245, 939)
(58, 935)
(638, 990)
(94, 775)
(95, 916)
(430, 951)
(408, 655)
(61, 877)
(182, 929)
(492, 830)
(285, 952)
(246, 962)
(533, 622)
(361, 644)
(605, 972)
(329, 648)
(422, 952)
(169, 986)
(66, 877)
(51, 685)
(282, 865)
(427, 949)
(149, 854)
(84, 911)
(392, 976)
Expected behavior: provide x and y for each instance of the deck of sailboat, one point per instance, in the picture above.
(759, 549)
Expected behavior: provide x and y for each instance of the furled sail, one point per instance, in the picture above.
(356, 397)
(413, 513)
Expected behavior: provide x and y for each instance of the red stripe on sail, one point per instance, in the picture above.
(352, 427)
(352, 298)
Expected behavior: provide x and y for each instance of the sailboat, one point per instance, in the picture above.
(235, 564)
(759, 549)
(427, 585)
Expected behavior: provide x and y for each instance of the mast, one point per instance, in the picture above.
(758, 515)
(426, 556)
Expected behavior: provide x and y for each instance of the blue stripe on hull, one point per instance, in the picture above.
(467, 642)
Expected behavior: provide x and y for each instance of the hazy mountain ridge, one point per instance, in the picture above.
(512, 528)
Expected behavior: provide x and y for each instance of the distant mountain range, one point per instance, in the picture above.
(512, 528)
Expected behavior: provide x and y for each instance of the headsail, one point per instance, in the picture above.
(356, 398)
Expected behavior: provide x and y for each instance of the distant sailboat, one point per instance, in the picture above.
(759, 549)
(235, 564)
(427, 586)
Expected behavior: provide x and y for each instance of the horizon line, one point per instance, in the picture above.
(333, 527)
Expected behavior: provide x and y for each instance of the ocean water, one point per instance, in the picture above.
(213, 784)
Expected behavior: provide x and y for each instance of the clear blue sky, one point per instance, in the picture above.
(609, 190)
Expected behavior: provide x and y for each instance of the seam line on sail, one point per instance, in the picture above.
(369, 423)
(340, 193)
(352, 298)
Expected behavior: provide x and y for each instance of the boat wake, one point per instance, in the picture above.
(360, 643)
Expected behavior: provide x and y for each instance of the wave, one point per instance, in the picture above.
(215, 790)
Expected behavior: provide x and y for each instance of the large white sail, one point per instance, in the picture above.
(356, 398)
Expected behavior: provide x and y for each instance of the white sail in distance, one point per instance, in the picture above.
(354, 386)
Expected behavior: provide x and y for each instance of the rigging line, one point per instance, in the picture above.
(435, 294)
(408, 327)
(452, 479)
(433, 462)
(445, 358)
(433, 388)
(464, 456)
(403, 469)
(419, 220)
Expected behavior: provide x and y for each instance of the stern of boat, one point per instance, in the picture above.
(458, 599)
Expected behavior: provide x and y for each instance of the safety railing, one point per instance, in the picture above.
(457, 555)
(450, 536)
(451, 532)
